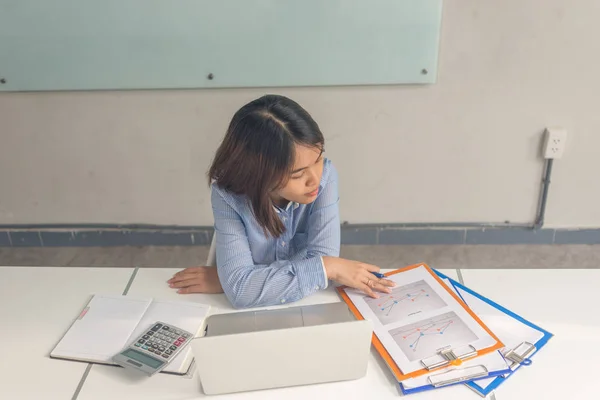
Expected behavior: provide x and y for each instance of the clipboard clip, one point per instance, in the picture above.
(519, 354)
(458, 375)
(449, 357)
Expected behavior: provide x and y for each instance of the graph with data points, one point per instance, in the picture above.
(404, 301)
(424, 338)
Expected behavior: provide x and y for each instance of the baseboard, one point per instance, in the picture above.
(106, 235)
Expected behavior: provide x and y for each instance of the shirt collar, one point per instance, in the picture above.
(287, 208)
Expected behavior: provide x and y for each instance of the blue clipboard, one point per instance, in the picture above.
(538, 345)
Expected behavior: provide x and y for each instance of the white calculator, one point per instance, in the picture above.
(154, 349)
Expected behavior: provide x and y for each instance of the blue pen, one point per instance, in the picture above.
(379, 275)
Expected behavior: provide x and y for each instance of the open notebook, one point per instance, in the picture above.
(110, 322)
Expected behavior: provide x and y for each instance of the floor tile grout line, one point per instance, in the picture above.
(90, 365)
(68, 263)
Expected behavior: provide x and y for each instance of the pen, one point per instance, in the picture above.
(379, 275)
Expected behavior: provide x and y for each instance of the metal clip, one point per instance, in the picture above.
(519, 354)
(458, 375)
(449, 357)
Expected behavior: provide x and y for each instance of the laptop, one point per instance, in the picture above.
(266, 349)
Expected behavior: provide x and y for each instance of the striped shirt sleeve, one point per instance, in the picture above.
(247, 284)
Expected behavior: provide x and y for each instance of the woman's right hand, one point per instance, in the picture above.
(356, 275)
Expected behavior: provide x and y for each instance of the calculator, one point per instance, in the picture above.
(154, 349)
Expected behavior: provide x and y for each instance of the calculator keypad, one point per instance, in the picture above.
(162, 340)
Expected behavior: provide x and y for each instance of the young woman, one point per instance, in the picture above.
(276, 218)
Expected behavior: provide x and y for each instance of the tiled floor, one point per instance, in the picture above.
(453, 256)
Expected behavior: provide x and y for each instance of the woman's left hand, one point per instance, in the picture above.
(196, 280)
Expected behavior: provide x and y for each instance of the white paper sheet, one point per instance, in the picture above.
(492, 362)
(418, 319)
(111, 322)
(509, 330)
(102, 328)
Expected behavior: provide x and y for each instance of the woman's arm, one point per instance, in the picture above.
(324, 242)
(253, 285)
(324, 234)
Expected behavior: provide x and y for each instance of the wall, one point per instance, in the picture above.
(464, 149)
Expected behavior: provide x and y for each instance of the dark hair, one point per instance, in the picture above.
(257, 153)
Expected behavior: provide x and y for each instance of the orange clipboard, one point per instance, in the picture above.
(400, 376)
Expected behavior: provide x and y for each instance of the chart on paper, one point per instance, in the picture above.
(424, 338)
(404, 301)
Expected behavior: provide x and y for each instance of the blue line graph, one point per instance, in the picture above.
(388, 304)
(430, 329)
(405, 301)
(421, 339)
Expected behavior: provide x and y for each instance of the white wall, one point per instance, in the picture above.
(464, 149)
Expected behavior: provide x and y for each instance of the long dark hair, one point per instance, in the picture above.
(257, 154)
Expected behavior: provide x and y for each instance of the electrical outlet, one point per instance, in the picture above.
(555, 140)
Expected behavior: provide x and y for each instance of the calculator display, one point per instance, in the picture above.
(136, 355)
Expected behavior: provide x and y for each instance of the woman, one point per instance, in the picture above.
(275, 205)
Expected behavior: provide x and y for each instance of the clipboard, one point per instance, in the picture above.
(446, 357)
(517, 356)
(487, 366)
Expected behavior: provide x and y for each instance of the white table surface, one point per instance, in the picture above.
(109, 382)
(567, 304)
(37, 306)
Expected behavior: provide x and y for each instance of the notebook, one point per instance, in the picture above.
(422, 326)
(110, 322)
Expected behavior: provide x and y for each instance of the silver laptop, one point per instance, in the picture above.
(293, 346)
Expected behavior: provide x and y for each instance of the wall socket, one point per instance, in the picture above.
(555, 140)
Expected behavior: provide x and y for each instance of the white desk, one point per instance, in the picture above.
(563, 301)
(109, 382)
(37, 306)
(566, 303)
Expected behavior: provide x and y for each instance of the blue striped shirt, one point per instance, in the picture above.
(256, 270)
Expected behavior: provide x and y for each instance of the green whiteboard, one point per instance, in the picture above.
(161, 44)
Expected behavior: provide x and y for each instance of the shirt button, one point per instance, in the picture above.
(282, 301)
(317, 288)
(283, 219)
(282, 244)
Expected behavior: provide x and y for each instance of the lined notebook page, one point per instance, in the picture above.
(102, 329)
(182, 314)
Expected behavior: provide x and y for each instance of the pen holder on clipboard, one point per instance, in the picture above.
(449, 357)
(518, 355)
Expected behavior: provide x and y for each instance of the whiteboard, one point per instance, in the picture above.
(161, 44)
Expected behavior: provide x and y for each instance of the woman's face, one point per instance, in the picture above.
(303, 184)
